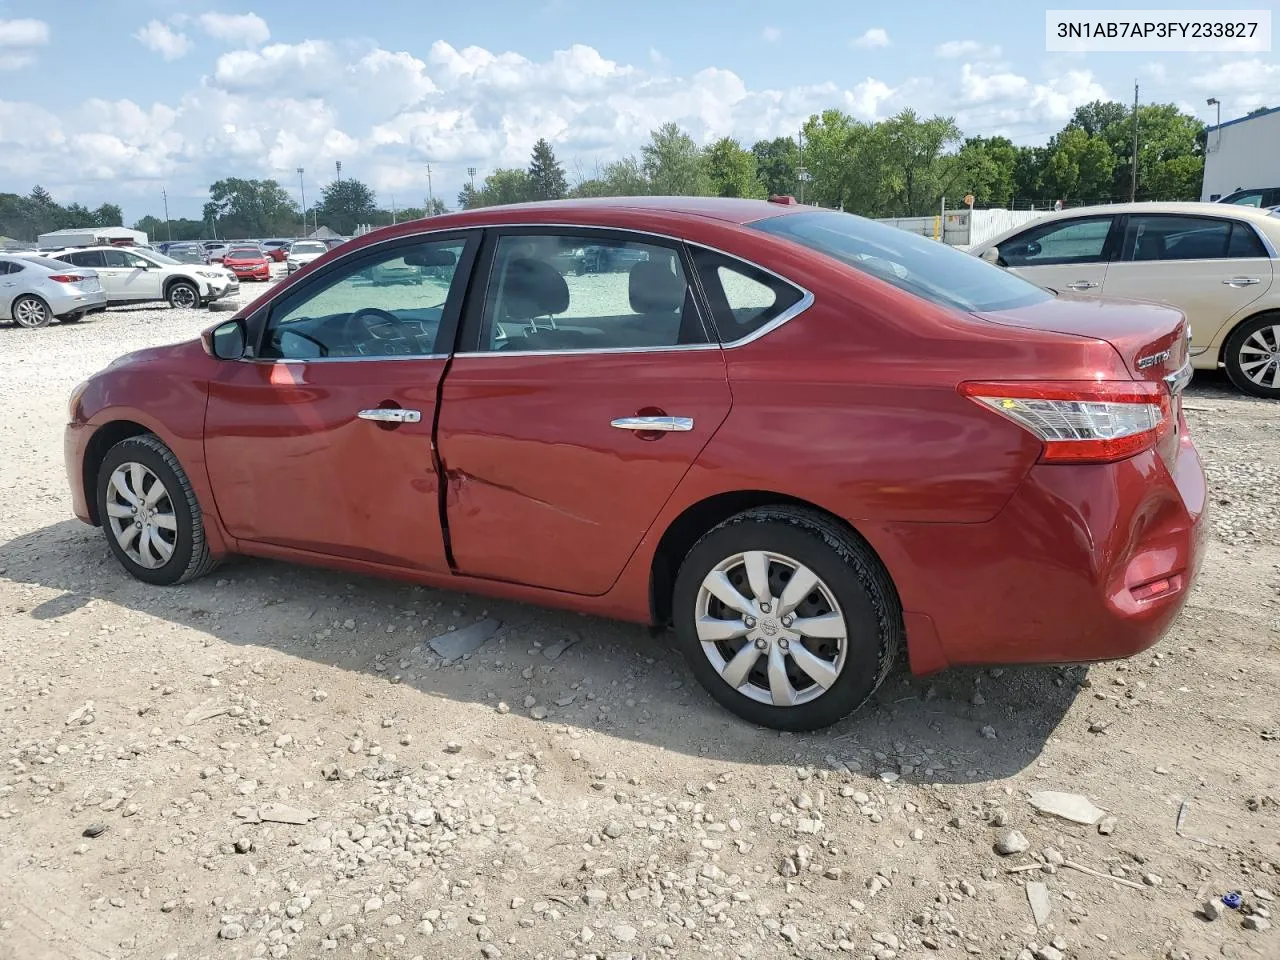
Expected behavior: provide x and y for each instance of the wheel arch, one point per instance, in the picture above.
(1230, 330)
(103, 439)
(178, 278)
(699, 518)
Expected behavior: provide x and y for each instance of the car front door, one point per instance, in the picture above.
(8, 286)
(320, 439)
(140, 278)
(1067, 255)
(575, 405)
(1211, 268)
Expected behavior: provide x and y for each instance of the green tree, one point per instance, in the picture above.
(345, 204)
(108, 215)
(989, 166)
(504, 186)
(914, 149)
(240, 208)
(1079, 166)
(180, 228)
(1096, 117)
(673, 165)
(546, 176)
(436, 208)
(777, 163)
(468, 197)
(732, 170)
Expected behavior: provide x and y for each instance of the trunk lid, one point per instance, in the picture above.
(1151, 338)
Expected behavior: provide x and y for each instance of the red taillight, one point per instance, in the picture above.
(1081, 421)
(66, 277)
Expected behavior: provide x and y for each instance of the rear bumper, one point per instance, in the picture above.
(67, 304)
(75, 440)
(1084, 563)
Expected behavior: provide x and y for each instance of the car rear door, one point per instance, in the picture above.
(574, 406)
(93, 259)
(1069, 255)
(1211, 268)
(8, 286)
(321, 440)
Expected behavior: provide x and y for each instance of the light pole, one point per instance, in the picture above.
(1215, 102)
(167, 226)
(338, 165)
(303, 190)
(431, 197)
(471, 172)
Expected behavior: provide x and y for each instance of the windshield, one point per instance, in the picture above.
(923, 267)
(244, 252)
(160, 258)
(313, 246)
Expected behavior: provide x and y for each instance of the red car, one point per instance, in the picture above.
(248, 263)
(277, 250)
(800, 438)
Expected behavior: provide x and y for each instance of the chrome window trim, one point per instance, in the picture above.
(800, 306)
(299, 360)
(1262, 235)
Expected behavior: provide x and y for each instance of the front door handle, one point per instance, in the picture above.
(391, 415)
(1242, 281)
(1081, 285)
(656, 424)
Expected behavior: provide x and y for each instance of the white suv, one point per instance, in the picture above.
(129, 275)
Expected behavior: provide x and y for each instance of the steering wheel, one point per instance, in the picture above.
(364, 324)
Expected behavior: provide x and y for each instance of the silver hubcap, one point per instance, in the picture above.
(771, 628)
(141, 515)
(29, 313)
(1260, 356)
(182, 296)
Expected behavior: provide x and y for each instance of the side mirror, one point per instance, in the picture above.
(226, 341)
(991, 255)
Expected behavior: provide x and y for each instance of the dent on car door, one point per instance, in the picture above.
(1068, 255)
(320, 439)
(580, 397)
(1211, 268)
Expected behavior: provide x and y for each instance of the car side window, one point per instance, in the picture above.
(5, 267)
(1077, 241)
(133, 260)
(1168, 237)
(1244, 243)
(743, 298)
(385, 305)
(568, 293)
(113, 258)
(1251, 199)
(85, 258)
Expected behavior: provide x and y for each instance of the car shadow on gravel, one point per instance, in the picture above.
(963, 725)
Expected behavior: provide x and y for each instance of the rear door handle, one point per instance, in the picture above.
(1081, 285)
(391, 415)
(1242, 281)
(657, 424)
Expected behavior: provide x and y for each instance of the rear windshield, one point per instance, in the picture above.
(926, 268)
(57, 266)
(245, 251)
(312, 246)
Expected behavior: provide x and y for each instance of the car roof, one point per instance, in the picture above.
(1193, 208)
(728, 209)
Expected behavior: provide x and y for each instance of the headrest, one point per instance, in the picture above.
(533, 288)
(654, 288)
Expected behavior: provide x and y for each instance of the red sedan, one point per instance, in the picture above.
(248, 263)
(800, 438)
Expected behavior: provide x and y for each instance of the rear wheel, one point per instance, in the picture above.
(31, 312)
(149, 513)
(183, 295)
(786, 618)
(1252, 356)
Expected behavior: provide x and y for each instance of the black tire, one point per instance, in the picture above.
(30, 312)
(183, 295)
(191, 557)
(1258, 336)
(852, 575)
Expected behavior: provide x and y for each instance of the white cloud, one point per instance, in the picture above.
(1004, 101)
(875, 37)
(169, 43)
(1242, 85)
(239, 29)
(771, 34)
(19, 40)
(965, 48)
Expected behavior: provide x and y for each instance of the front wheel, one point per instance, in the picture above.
(31, 312)
(1252, 356)
(150, 514)
(183, 295)
(786, 618)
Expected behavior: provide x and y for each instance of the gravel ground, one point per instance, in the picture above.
(272, 761)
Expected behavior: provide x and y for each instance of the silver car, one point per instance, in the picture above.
(302, 252)
(35, 290)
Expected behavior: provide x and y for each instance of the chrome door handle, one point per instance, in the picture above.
(1241, 281)
(657, 424)
(1081, 285)
(391, 415)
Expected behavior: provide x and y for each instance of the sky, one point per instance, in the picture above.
(116, 101)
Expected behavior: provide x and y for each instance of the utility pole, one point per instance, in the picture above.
(431, 197)
(393, 209)
(167, 226)
(800, 171)
(1133, 179)
(303, 190)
